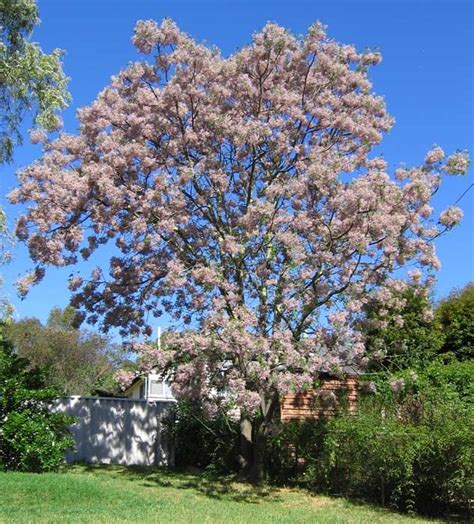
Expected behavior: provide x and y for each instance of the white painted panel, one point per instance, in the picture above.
(117, 431)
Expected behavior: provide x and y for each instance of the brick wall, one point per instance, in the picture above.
(319, 402)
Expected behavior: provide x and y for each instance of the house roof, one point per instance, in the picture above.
(349, 370)
(134, 381)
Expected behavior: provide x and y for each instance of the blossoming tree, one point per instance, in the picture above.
(243, 198)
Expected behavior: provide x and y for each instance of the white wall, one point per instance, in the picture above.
(118, 431)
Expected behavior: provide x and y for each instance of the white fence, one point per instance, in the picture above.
(118, 431)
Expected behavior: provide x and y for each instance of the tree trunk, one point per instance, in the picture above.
(253, 441)
(245, 458)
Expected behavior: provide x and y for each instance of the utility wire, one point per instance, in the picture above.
(465, 193)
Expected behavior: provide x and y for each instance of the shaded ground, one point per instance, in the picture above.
(119, 494)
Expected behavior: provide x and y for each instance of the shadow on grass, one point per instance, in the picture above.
(230, 489)
(212, 486)
(225, 487)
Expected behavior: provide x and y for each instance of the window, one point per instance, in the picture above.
(156, 388)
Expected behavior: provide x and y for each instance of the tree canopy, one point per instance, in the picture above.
(5, 238)
(241, 196)
(455, 317)
(75, 361)
(30, 80)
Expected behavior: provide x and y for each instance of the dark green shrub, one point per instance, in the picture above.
(32, 437)
(410, 445)
(201, 440)
(425, 466)
(293, 449)
(457, 376)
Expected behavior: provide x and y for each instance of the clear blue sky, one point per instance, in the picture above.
(426, 77)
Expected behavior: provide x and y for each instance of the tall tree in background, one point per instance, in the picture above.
(5, 237)
(404, 337)
(455, 317)
(30, 80)
(76, 361)
(415, 333)
(242, 197)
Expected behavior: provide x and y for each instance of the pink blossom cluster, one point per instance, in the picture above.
(397, 385)
(124, 379)
(451, 216)
(369, 387)
(458, 164)
(434, 155)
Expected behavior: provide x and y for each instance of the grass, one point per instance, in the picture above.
(118, 494)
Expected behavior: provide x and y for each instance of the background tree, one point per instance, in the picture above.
(5, 240)
(455, 317)
(242, 198)
(30, 80)
(76, 361)
(402, 338)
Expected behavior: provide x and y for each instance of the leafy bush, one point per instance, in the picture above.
(454, 377)
(32, 437)
(425, 467)
(202, 440)
(410, 446)
(293, 448)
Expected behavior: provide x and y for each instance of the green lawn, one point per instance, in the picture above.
(118, 494)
